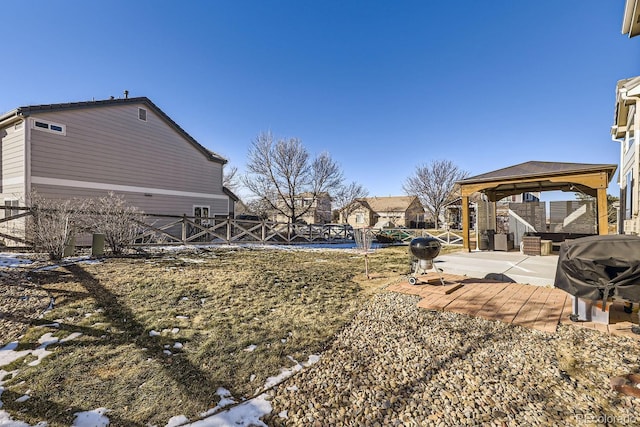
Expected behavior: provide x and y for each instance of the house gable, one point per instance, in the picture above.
(143, 102)
(126, 146)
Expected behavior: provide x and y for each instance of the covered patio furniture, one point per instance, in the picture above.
(600, 268)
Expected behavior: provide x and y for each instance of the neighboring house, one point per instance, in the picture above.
(393, 211)
(128, 146)
(319, 209)
(625, 130)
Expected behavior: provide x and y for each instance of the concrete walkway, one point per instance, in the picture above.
(502, 266)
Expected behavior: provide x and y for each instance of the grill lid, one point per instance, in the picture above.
(426, 248)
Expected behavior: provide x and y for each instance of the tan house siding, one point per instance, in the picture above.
(111, 145)
(154, 204)
(12, 173)
(110, 148)
(400, 211)
(318, 213)
(101, 146)
(414, 214)
(12, 161)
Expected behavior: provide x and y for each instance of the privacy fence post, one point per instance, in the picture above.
(184, 229)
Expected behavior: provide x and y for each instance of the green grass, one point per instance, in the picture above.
(214, 302)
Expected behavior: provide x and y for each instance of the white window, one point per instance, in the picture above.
(47, 126)
(359, 218)
(201, 214)
(8, 203)
(142, 114)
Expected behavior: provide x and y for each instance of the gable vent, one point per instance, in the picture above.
(142, 114)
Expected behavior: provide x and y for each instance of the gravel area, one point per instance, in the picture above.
(21, 302)
(397, 364)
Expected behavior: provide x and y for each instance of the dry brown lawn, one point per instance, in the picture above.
(161, 333)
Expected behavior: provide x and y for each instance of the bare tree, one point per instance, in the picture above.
(230, 178)
(434, 185)
(345, 199)
(279, 172)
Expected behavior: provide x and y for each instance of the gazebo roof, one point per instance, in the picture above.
(591, 179)
(540, 176)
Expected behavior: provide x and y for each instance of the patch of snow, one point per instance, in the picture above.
(286, 373)
(9, 260)
(292, 388)
(95, 418)
(153, 333)
(167, 352)
(41, 352)
(175, 330)
(70, 261)
(246, 414)
(192, 260)
(178, 345)
(225, 400)
(182, 317)
(178, 420)
(24, 398)
(251, 348)
(252, 378)
(313, 359)
(50, 325)
(7, 421)
(72, 336)
(283, 414)
(8, 353)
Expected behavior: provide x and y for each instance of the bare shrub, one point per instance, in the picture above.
(118, 221)
(53, 223)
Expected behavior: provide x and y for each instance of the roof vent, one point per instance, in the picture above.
(126, 94)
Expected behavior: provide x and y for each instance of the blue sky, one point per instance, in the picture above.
(383, 86)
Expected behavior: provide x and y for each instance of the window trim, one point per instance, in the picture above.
(37, 125)
(205, 222)
(142, 114)
(11, 212)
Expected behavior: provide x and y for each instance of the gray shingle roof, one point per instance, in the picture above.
(536, 168)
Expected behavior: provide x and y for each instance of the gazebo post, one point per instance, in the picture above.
(603, 217)
(465, 224)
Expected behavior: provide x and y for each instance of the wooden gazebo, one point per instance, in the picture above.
(535, 176)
